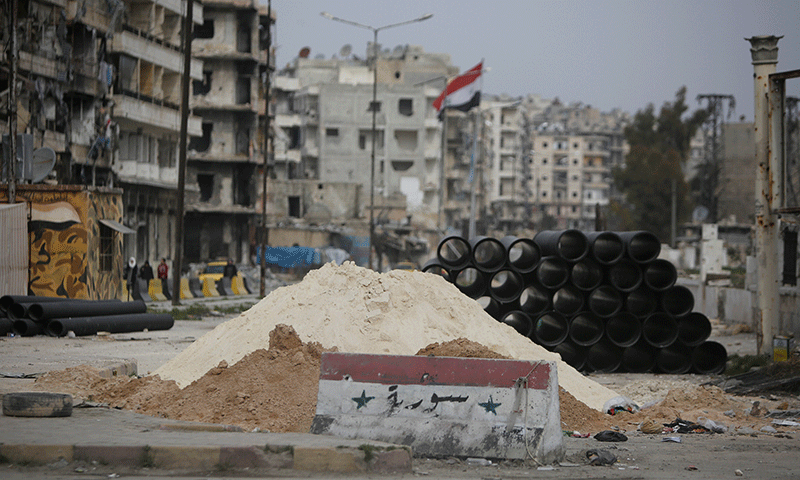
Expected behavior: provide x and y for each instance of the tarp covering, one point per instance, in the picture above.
(291, 257)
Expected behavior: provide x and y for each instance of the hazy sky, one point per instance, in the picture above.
(608, 54)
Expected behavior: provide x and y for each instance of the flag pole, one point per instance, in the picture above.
(472, 195)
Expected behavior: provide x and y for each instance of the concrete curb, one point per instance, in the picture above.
(365, 459)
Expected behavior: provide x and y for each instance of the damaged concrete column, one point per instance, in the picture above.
(764, 53)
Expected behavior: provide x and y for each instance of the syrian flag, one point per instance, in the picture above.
(463, 92)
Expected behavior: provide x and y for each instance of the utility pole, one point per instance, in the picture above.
(177, 266)
(13, 55)
(264, 232)
(710, 186)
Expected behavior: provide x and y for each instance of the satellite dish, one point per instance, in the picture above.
(699, 214)
(304, 52)
(345, 51)
(42, 163)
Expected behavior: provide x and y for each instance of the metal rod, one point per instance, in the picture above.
(264, 232)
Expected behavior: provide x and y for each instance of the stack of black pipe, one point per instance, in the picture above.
(27, 315)
(603, 300)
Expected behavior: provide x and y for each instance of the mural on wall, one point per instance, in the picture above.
(104, 285)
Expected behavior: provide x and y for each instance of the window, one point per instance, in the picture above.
(294, 207)
(405, 106)
(201, 144)
(206, 184)
(331, 132)
(544, 161)
(374, 106)
(575, 146)
(574, 161)
(206, 30)
(574, 194)
(544, 144)
(202, 87)
(106, 256)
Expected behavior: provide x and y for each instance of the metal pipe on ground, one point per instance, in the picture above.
(586, 274)
(677, 301)
(641, 302)
(709, 358)
(506, 286)
(470, 281)
(535, 300)
(574, 355)
(454, 252)
(625, 275)
(45, 311)
(570, 245)
(605, 301)
(660, 275)
(520, 321)
(135, 322)
(522, 254)
(552, 272)
(586, 329)
(436, 267)
(675, 359)
(550, 329)
(604, 357)
(7, 300)
(490, 306)
(568, 300)
(488, 254)
(623, 329)
(639, 357)
(25, 327)
(641, 246)
(18, 310)
(693, 329)
(660, 330)
(605, 247)
(6, 326)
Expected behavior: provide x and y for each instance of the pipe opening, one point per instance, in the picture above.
(625, 275)
(454, 252)
(505, 286)
(675, 359)
(520, 321)
(677, 300)
(623, 329)
(522, 253)
(709, 358)
(550, 329)
(586, 329)
(693, 329)
(471, 282)
(435, 267)
(535, 300)
(660, 330)
(639, 358)
(488, 254)
(660, 275)
(642, 247)
(606, 247)
(604, 357)
(605, 301)
(568, 301)
(586, 274)
(570, 245)
(641, 302)
(573, 355)
(553, 272)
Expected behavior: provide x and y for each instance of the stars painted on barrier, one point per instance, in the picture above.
(362, 400)
(490, 406)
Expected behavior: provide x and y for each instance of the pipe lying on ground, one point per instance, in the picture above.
(574, 355)
(586, 329)
(552, 272)
(535, 300)
(570, 245)
(709, 358)
(677, 300)
(435, 266)
(18, 310)
(135, 322)
(6, 326)
(660, 330)
(625, 275)
(506, 286)
(623, 329)
(641, 302)
(25, 327)
(604, 357)
(45, 311)
(641, 246)
(454, 252)
(520, 321)
(7, 300)
(568, 300)
(693, 329)
(488, 254)
(586, 274)
(471, 282)
(605, 301)
(639, 357)
(489, 305)
(522, 254)
(660, 275)
(605, 247)
(675, 359)
(550, 329)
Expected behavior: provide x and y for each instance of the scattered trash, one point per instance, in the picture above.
(620, 404)
(746, 431)
(544, 469)
(712, 425)
(600, 457)
(691, 468)
(478, 461)
(768, 429)
(683, 426)
(671, 439)
(651, 427)
(575, 434)
(610, 436)
(738, 472)
(730, 413)
(786, 423)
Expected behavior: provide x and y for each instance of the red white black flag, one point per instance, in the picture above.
(463, 92)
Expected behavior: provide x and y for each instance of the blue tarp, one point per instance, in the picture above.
(291, 257)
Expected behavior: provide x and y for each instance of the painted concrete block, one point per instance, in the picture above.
(442, 406)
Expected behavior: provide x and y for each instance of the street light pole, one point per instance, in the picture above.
(374, 108)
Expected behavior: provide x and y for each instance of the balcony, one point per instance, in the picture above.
(147, 113)
(129, 43)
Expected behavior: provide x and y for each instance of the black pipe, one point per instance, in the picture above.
(7, 300)
(435, 267)
(135, 322)
(641, 302)
(552, 272)
(470, 281)
(490, 306)
(45, 311)
(709, 358)
(623, 329)
(6, 326)
(25, 327)
(520, 321)
(660, 329)
(573, 355)
(586, 329)
(586, 274)
(570, 245)
(641, 246)
(535, 300)
(605, 301)
(454, 252)
(693, 329)
(660, 275)
(675, 359)
(488, 254)
(639, 357)
(522, 254)
(550, 329)
(568, 300)
(506, 286)
(677, 301)
(604, 357)
(605, 247)
(18, 310)
(625, 275)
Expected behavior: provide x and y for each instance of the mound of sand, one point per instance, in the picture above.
(357, 310)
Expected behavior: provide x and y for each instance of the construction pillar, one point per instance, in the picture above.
(764, 53)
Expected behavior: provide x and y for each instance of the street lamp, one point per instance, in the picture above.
(374, 108)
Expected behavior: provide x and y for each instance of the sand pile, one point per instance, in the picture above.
(357, 310)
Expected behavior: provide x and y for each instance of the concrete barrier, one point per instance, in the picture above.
(237, 285)
(224, 286)
(210, 288)
(154, 288)
(440, 406)
(186, 291)
(196, 287)
(141, 292)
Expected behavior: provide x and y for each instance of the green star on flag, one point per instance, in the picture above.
(489, 406)
(362, 400)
